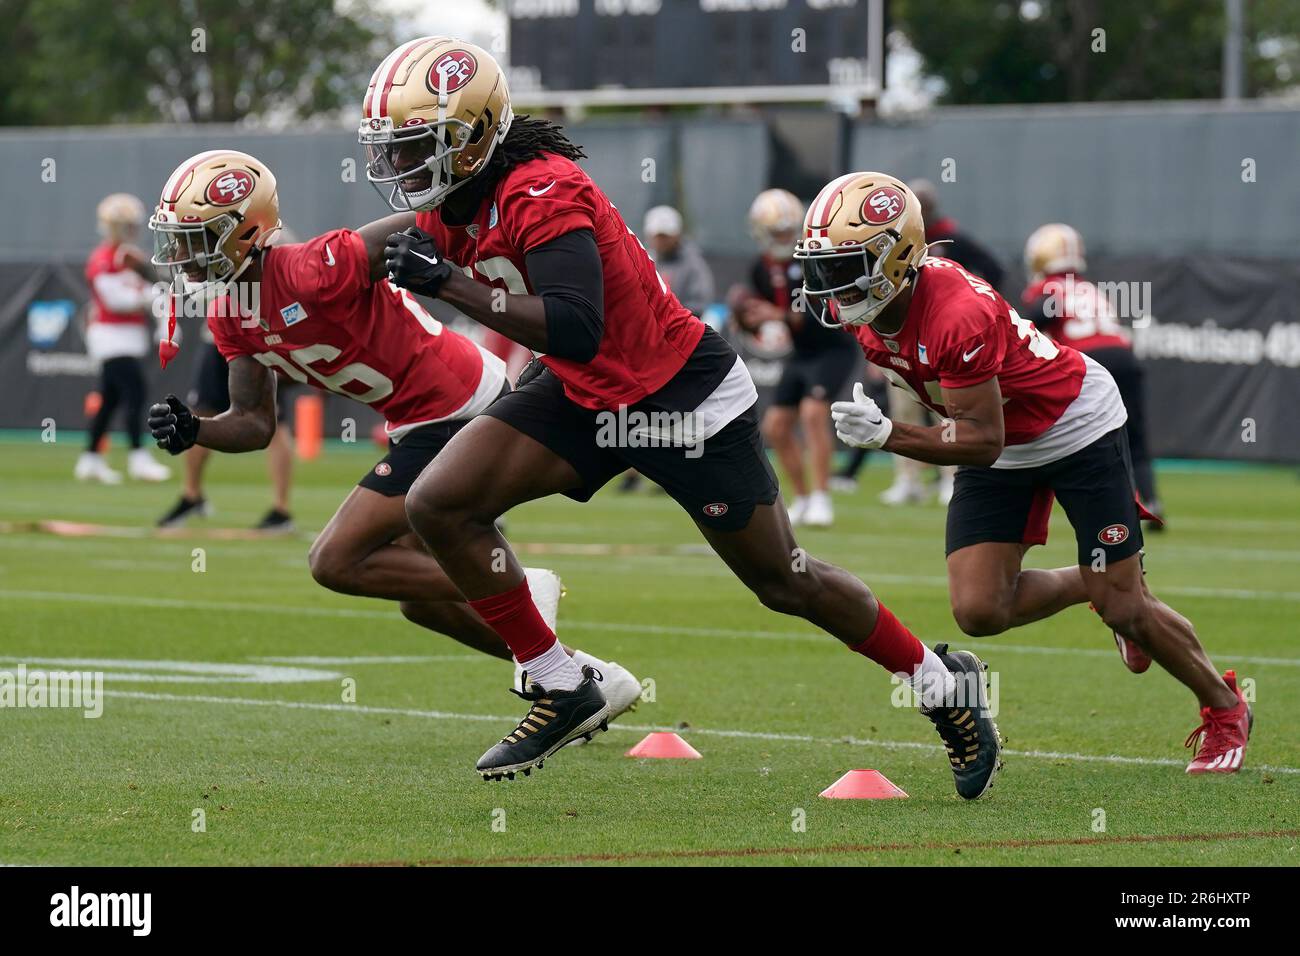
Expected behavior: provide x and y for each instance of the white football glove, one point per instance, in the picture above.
(860, 423)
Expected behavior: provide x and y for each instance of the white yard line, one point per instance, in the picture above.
(646, 728)
(623, 627)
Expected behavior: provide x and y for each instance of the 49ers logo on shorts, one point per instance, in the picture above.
(230, 187)
(383, 469)
(1113, 534)
(883, 205)
(715, 510)
(457, 68)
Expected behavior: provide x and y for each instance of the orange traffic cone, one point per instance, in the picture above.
(862, 785)
(309, 425)
(664, 746)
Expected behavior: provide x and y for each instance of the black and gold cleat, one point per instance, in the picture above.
(966, 727)
(555, 719)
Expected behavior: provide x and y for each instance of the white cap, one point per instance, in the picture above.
(663, 221)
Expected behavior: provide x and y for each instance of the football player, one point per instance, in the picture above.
(117, 337)
(542, 256)
(319, 313)
(1025, 419)
(815, 372)
(1069, 308)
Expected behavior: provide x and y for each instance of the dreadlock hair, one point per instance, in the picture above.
(528, 139)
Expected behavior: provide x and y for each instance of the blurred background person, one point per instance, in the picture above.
(679, 260)
(909, 486)
(797, 424)
(957, 244)
(1069, 308)
(209, 397)
(118, 337)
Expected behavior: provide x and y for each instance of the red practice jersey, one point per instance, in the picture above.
(648, 334)
(107, 261)
(959, 333)
(321, 321)
(1074, 312)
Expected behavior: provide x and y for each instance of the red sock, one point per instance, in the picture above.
(514, 616)
(891, 645)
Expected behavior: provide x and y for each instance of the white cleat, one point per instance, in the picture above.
(92, 467)
(140, 466)
(902, 493)
(819, 513)
(797, 510)
(547, 589)
(944, 489)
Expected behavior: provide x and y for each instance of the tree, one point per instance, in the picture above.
(1052, 50)
(88, 62)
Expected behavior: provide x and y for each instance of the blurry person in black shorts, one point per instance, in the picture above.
(209, 398)
(1069, 308)
(319, 313)
(118, 336)
(797, 423)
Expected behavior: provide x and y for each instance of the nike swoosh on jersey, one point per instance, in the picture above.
(329, 255)
(967, 356)
(541, 192)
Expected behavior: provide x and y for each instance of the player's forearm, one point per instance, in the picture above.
(521, 318)
(952, 442)
(235, 432)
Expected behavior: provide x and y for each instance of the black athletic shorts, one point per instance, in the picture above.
(211, 392)
(820, 375)
(719, 482)
(1094, 485)
(393, 475)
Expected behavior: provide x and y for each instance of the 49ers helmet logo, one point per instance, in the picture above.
(883, 205)
(230, 187)
(1113, 534)
(457, 68)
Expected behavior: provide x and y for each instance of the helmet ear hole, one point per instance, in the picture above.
(477, 134)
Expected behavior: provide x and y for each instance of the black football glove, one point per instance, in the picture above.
(173, 425)
(414, 262)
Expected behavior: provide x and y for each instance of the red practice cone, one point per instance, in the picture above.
(862, 785)
(664, 746)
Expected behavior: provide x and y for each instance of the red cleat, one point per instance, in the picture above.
(1222, 735)
(1134, 658)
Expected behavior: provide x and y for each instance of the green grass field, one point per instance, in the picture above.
(289, 773)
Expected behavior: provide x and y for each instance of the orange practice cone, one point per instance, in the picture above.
(665, 746)
(862, 785)
(309, 425)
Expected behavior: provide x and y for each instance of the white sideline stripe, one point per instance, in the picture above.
(647, 728)
(618, 626)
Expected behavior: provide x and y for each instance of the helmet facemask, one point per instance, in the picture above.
(447, 140)
(845, 286)
(194, 252)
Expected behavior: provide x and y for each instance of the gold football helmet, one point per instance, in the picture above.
(217, 211)
(1053, 249)
(119, 216)
(774, 220)
(863, 241)
(435, 111)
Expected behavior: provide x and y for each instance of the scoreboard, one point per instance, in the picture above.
(770, 48)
